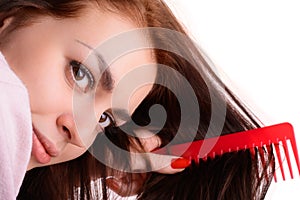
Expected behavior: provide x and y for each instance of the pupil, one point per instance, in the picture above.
(103, 118)
(78, 72)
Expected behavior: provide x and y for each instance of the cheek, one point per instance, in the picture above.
(40, 64)
(70, 152)
(47, 88)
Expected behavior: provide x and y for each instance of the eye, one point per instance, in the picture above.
(106, 120)
(82, 76)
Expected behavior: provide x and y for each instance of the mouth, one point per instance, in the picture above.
(42, 148)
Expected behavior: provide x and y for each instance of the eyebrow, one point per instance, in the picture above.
(107, 82)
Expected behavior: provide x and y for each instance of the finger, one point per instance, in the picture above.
(168, 164)
(159, 163)
(146, 162)
(177, 165)
(148, 140)
(151, 143)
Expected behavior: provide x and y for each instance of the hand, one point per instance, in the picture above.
(159, 163)
(121, 184)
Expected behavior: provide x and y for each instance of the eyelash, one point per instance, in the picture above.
(111, 118)
(86, 72)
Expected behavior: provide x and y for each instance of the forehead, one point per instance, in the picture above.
(93, 27)
(96, 27)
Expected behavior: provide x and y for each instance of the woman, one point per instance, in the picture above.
(231, 176)
(54, 72)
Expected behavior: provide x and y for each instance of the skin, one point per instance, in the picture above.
(40, 55)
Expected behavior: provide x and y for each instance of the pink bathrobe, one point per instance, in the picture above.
(15, 132)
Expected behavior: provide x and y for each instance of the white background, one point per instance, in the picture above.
(257, 44)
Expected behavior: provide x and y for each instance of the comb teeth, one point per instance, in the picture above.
(275, 136)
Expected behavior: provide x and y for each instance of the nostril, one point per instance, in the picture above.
(66, 130)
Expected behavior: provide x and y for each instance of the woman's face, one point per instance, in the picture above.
(46, 56)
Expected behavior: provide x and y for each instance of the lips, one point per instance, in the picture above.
(42, 148)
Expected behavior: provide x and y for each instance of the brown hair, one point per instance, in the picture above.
(230, 176)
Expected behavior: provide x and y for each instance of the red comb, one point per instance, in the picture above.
(275, 135)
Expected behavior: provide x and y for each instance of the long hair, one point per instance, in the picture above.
(237, 175)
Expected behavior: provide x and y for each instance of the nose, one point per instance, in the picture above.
(67, 127)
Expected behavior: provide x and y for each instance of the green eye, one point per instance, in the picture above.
(82, 76)
(106, 120)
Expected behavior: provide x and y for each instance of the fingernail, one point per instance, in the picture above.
(180, 163)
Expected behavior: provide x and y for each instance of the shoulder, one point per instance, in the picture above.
(14, 97)
(7, 77)
(15, 130)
